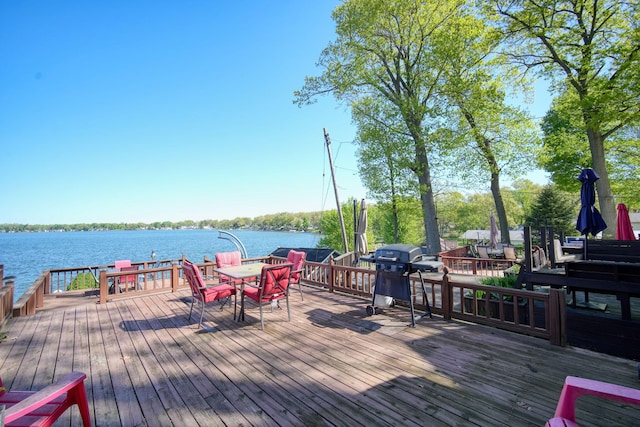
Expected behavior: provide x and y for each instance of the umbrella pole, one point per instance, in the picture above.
(355, 231)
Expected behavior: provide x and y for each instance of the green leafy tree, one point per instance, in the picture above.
(491, 138)
(588, 47)
(458, 213)
(383, 49)
(524, 193)
(399, 222)
(448, 204)
(332, 232)
(566, 152)
(556, 209)
(476, 212)
(384, 160)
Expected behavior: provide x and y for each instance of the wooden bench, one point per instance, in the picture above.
(621, 279)
(612, 250)
(622, 290)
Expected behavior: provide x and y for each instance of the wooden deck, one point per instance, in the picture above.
(147, 364)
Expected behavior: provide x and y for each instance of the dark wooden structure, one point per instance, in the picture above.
(612, 250)
(604, 330)
(607, 278)
(621, 279)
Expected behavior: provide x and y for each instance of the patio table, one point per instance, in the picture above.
(242, 272)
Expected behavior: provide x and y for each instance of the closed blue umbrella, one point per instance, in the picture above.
(589, 219)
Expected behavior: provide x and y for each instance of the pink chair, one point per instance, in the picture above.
(125, 265)
(296, 258)
(229, 259)
(575, 387)
(119, 264)
(203, 293)
(44, 407)
(273, 286)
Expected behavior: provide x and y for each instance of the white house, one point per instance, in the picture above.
(635, 222)
(515, 236)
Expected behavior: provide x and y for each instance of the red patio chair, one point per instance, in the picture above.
(203, 293)
(125, 265)
(229, 259)
(44, 407)
(575, 387)
(296, 258)
(272, 287)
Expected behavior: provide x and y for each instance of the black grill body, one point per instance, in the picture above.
(396, 258)
(394, 264)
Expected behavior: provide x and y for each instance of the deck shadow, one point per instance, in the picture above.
(388, 321)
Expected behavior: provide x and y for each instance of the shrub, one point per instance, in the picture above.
(502, 282)
(83, 281)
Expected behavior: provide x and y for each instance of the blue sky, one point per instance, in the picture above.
(143, 111)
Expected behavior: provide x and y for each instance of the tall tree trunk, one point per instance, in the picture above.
(484, 145)
(422, 169)
(396, 226)
(603, 185)
(500, 210)
(428, 204)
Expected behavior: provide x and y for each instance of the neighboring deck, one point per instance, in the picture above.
(147, 364)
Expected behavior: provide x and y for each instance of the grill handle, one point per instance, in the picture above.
(384, 258)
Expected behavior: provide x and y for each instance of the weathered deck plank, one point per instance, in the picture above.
(147, 364)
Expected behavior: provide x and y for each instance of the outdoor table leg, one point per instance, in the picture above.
(241, 313)
(625, 306)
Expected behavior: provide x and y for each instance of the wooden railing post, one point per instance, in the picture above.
(103, 285)
(6, 296)
(557, 317)
(175, 275)
(44, 289)
(447, 295)
(332, 274)
(47, 283)
(209, 265)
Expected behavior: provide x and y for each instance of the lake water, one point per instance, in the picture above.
(26, 255)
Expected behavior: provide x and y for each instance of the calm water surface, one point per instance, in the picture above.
(26, 255)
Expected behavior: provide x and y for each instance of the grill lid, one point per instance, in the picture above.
(399, 252)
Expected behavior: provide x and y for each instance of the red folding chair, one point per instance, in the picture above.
(273, 286)
(203, 293)
(296, 258)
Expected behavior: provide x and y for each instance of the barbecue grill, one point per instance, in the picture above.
(394, 264)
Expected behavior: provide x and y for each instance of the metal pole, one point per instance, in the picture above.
(335, 189)
(355, 231)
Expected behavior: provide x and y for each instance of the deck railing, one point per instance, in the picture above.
(536, 313)
(533, 313)
(458, 262)
(114, 285)
(6, 297)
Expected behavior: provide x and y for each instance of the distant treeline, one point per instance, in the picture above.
(308, 221)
